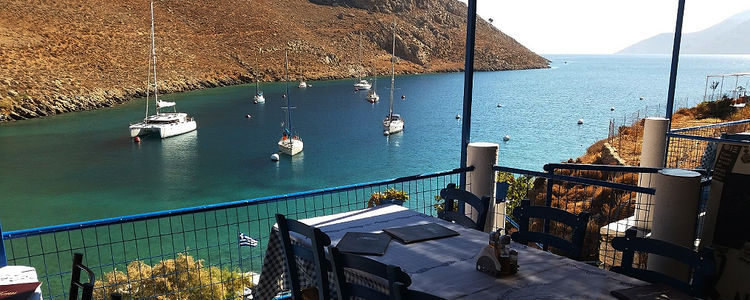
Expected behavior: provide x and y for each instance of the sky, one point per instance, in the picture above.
(599, 26)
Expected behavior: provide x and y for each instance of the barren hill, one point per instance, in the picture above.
(68, 55)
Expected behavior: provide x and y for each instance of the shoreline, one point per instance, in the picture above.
(24, 107)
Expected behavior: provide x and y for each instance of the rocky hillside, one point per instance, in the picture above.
(68, 55)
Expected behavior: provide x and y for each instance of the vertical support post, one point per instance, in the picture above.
(675, 216)
(675, 60)
(471, 21)
(3, 257)
(548, 203)
(653, 155)
(482, 181)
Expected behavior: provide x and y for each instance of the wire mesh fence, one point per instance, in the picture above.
(193, 253)
(695, 147)
(626, 133)
(613, 196)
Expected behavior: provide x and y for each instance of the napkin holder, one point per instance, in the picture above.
(497, 258)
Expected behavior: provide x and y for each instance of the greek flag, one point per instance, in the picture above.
(247, 241)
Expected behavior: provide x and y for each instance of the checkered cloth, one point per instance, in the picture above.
(275, 277)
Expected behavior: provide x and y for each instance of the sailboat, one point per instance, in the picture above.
(393, 123)
(258, 98)
(289, 144)
(164, 124)
(361, 84)
(372, 95)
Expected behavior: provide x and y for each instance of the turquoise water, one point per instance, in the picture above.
(83, 166)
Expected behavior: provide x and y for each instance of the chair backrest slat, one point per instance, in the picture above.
(315, 254)
(451, 194)
(701, 263)
(578, 223)
(87, 288)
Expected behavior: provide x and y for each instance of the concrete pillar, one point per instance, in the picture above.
(653, 152)
(675, 214)
(481, 181)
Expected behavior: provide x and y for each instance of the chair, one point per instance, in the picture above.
(347, 290)
(450, 194)
(701, 263)
(572, 248)
(402, 293)
(316, 254)
(87, 288)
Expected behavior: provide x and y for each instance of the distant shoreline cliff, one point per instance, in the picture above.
(74, 55)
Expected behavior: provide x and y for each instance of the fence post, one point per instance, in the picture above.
(548, 203)
(483, 156)
(653, 152)
(3, 258)
(675, 215)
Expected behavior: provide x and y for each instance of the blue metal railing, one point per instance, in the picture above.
(574, 192)
(123, 245)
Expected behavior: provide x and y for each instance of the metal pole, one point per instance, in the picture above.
(471, 21)
(3, 258)
(675, 60)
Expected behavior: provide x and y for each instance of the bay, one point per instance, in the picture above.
(83, 166)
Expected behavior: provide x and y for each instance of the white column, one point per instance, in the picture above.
(675, 214)
(653, 152)
(481, 181)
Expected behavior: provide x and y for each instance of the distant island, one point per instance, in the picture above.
(727, 37)
(72, 55)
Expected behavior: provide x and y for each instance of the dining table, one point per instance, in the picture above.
(445, 267)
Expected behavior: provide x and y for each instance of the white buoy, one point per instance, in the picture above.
(458, 117)
(275, 157)
(506, 138)
(248, 116)
(580, 121)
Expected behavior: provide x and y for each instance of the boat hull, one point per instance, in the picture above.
(290, 147)
(259, 99)
(393, 127)
(162, 130)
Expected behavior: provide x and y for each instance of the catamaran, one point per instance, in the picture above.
(361, 84)
(393, 123)
(258, 98)
(290, 143)
(163, 124)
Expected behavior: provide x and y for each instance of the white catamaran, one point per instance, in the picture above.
(393, 123)
(361, 84)
(289, 144)
(163, 124)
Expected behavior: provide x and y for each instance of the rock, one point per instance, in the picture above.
(12, 93)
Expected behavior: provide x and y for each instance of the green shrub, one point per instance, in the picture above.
(181, 278)
(389, 194)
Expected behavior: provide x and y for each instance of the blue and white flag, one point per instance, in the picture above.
(247, 241)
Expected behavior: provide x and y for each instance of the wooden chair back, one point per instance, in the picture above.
(701, 263)
(571, 248)
(451, 194)
(347, 290)
(315, 254)
(86, 288)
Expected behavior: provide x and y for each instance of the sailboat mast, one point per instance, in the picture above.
(256, 75)
(288, 108)
(393, 59)
(359, 70)
(153, 57)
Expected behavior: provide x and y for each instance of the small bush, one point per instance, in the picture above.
(388, 195)
(181, 278)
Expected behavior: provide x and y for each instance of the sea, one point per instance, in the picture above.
(84, 165)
